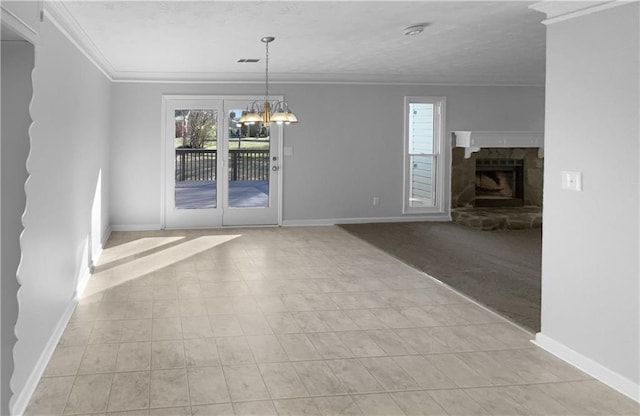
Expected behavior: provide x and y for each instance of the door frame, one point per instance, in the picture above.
(163, 151)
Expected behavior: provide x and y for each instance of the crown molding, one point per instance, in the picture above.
(17, 25)
(59, 15)
(560, 11)
(291, 79)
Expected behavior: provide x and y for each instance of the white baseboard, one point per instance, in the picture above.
(21, 399)
(135, 227)
(303, 223)
(366, 220)
(594, 369)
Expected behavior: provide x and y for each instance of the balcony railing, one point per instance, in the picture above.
(200, 165)
(195, 165)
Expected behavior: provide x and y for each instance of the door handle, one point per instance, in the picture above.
(275, 168)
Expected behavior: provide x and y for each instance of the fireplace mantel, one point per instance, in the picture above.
(473, 141)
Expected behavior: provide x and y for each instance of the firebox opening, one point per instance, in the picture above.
(499, 183)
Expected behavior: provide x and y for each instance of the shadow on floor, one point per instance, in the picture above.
(499, 269)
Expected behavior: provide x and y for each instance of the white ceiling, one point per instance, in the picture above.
(474, 42)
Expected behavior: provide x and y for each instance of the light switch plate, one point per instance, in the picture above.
(571, 180)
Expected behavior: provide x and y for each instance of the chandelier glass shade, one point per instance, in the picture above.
(267, 111)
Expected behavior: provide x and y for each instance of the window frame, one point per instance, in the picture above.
(441, 150)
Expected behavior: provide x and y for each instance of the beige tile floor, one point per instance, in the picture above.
(293, 321)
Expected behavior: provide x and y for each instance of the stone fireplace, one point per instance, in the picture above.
(496, 177)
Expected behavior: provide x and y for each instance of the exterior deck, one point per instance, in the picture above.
(196, 178)
(203, 194)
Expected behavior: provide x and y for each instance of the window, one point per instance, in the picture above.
(424, 173)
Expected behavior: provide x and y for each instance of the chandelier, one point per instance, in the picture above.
(268, 111)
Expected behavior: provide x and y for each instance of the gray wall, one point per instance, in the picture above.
(348, 146)
(590, 238)
(17, 63)
(69, 156)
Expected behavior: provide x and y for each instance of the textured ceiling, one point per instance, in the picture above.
(473, 42)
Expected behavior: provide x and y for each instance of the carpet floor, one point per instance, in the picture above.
(499, 269)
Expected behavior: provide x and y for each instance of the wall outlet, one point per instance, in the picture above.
(376, 201)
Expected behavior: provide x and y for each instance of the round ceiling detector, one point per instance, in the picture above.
(415, 29)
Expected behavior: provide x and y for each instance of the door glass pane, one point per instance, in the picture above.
(196, 133)
(248, 166)
(422, 181)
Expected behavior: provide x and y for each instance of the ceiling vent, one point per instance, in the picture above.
(248, 61)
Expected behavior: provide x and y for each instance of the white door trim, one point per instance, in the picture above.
(163, 147)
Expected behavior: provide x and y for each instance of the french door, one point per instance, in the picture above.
(217, 172)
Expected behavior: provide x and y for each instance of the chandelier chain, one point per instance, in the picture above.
(266, 71)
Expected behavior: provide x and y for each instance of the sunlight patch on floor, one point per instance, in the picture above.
(115, 276)
(135, 247)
